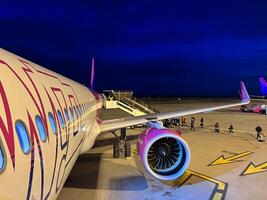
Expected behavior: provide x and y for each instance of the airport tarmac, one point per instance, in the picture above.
(240, 174)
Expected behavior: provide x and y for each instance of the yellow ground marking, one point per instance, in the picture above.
(221, 185)
(222, 160)
(219, 190)
(254, 169)
(189, 173)
(217, 196)
(134, 151)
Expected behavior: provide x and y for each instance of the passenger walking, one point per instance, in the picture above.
(258, 130)
(175, 122)
(167, 123)
(260, 136)
(178, 122)
(192, 124)
(231, 129)
(216, 128)
(184, 121)
(201, 123)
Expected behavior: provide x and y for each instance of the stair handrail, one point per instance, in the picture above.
(145, 105)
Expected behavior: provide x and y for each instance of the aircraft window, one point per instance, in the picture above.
(71, 114)
(67, 115)
(40, 127)
(2, 159)
(52, 123)
(60, 118)
(23, 136)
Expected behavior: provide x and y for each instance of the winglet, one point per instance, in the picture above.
(92, 74)
(244, 93)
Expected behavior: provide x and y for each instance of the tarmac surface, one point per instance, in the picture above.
(240, 174)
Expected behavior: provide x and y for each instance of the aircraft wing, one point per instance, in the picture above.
(109, 125)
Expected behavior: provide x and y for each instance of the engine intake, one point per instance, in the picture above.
(165, 155)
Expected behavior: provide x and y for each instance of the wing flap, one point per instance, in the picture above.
(109, 125)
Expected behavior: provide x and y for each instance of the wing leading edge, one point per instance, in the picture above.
(109, 125)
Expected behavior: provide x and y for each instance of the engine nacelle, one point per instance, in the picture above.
(165, 155)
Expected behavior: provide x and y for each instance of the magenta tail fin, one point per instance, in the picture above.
(244, 93)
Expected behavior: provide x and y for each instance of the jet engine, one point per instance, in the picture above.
(164, 154)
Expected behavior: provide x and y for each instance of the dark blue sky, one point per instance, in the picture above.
(167, 47)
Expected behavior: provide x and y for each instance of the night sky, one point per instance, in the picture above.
(170, 48)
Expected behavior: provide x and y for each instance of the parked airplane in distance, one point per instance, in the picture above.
(263, 88)
(254, 108)
(261, 106)
(47, 121)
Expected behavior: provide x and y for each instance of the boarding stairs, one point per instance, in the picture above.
(125, 101)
